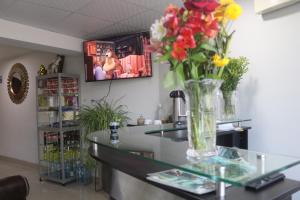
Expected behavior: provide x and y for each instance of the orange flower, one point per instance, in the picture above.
(179, 52)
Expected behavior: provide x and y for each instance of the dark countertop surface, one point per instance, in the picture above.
(167, 152)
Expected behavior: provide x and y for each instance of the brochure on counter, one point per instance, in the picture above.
(184, 181)
(238, 169)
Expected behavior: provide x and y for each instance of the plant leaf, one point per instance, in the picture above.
(169, 81)
(209, 47)
(194, 71)
(98, 116)
(199, 57)
(180, 74)
(164, 57)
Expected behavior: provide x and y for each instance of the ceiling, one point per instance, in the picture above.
(87, 19)
(8, 52)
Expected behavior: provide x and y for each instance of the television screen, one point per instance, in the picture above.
(118, 58)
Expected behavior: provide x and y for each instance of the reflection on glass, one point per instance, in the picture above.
(16, 83)
(241, 166)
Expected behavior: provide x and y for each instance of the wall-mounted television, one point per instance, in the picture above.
(122, 57)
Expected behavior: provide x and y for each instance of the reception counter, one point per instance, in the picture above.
(141, 151)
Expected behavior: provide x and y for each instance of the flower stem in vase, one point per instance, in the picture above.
(201, 117)
(229, 105)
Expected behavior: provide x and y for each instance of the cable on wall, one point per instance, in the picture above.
(109, 88)
(94, 101)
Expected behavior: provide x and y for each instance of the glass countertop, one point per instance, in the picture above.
(241, 166)
(171, 127)
(235, 121)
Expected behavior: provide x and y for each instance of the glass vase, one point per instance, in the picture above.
(201, 117)
(229, 111)
(219, 105)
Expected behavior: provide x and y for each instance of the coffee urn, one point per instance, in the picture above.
(179, 110)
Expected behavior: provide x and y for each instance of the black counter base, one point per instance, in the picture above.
(138, 167)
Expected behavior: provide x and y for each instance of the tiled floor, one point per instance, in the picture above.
(49, 191)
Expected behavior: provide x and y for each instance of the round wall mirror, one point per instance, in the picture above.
(18, 83)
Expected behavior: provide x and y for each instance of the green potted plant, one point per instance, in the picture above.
(97, 117)
(232, 75)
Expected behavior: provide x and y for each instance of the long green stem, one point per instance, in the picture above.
(202, 116)
(225, 47)
(195, 118)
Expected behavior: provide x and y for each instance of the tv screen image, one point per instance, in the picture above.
(118, 58)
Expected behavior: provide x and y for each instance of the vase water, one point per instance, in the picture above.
(201, 117)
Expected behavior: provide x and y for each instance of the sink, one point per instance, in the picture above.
(175, 135)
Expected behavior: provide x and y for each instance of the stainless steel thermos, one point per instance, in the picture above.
(179, 110)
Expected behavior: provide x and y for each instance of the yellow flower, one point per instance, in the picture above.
(233, 11)
(219, 62)
(224, 62)
(226, 2)
(216, 58)
(220, 12)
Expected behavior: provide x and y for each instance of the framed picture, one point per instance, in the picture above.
(265, 6)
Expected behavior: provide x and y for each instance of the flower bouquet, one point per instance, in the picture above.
(195, 40)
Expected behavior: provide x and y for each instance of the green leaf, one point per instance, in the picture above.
(197, 37)
(199, 57)
(169, 81)
(213, 76)
(165, 57)
(180, 74)
(185, 15)
(208, 47)
(174, 63)
(168, 47)
(194, 71)
(233, 73)
(171, 39)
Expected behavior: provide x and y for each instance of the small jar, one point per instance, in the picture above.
(141, 121)
(114, 136)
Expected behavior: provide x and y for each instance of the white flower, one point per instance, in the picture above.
(158, 31)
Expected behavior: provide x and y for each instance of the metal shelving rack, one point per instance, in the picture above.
(59, 133)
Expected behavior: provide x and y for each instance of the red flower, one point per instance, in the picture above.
(211, 27)
(200, 23)
(172, 20)
(206, 6)
(186, 34)
(172, 24)
(195, 22)
(178, 51)
(212, 30)
(173, 9)
(183, 41)
(181, 11)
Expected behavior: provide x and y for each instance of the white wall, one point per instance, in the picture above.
(141, 96)
(18, 131)
(270, 93)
